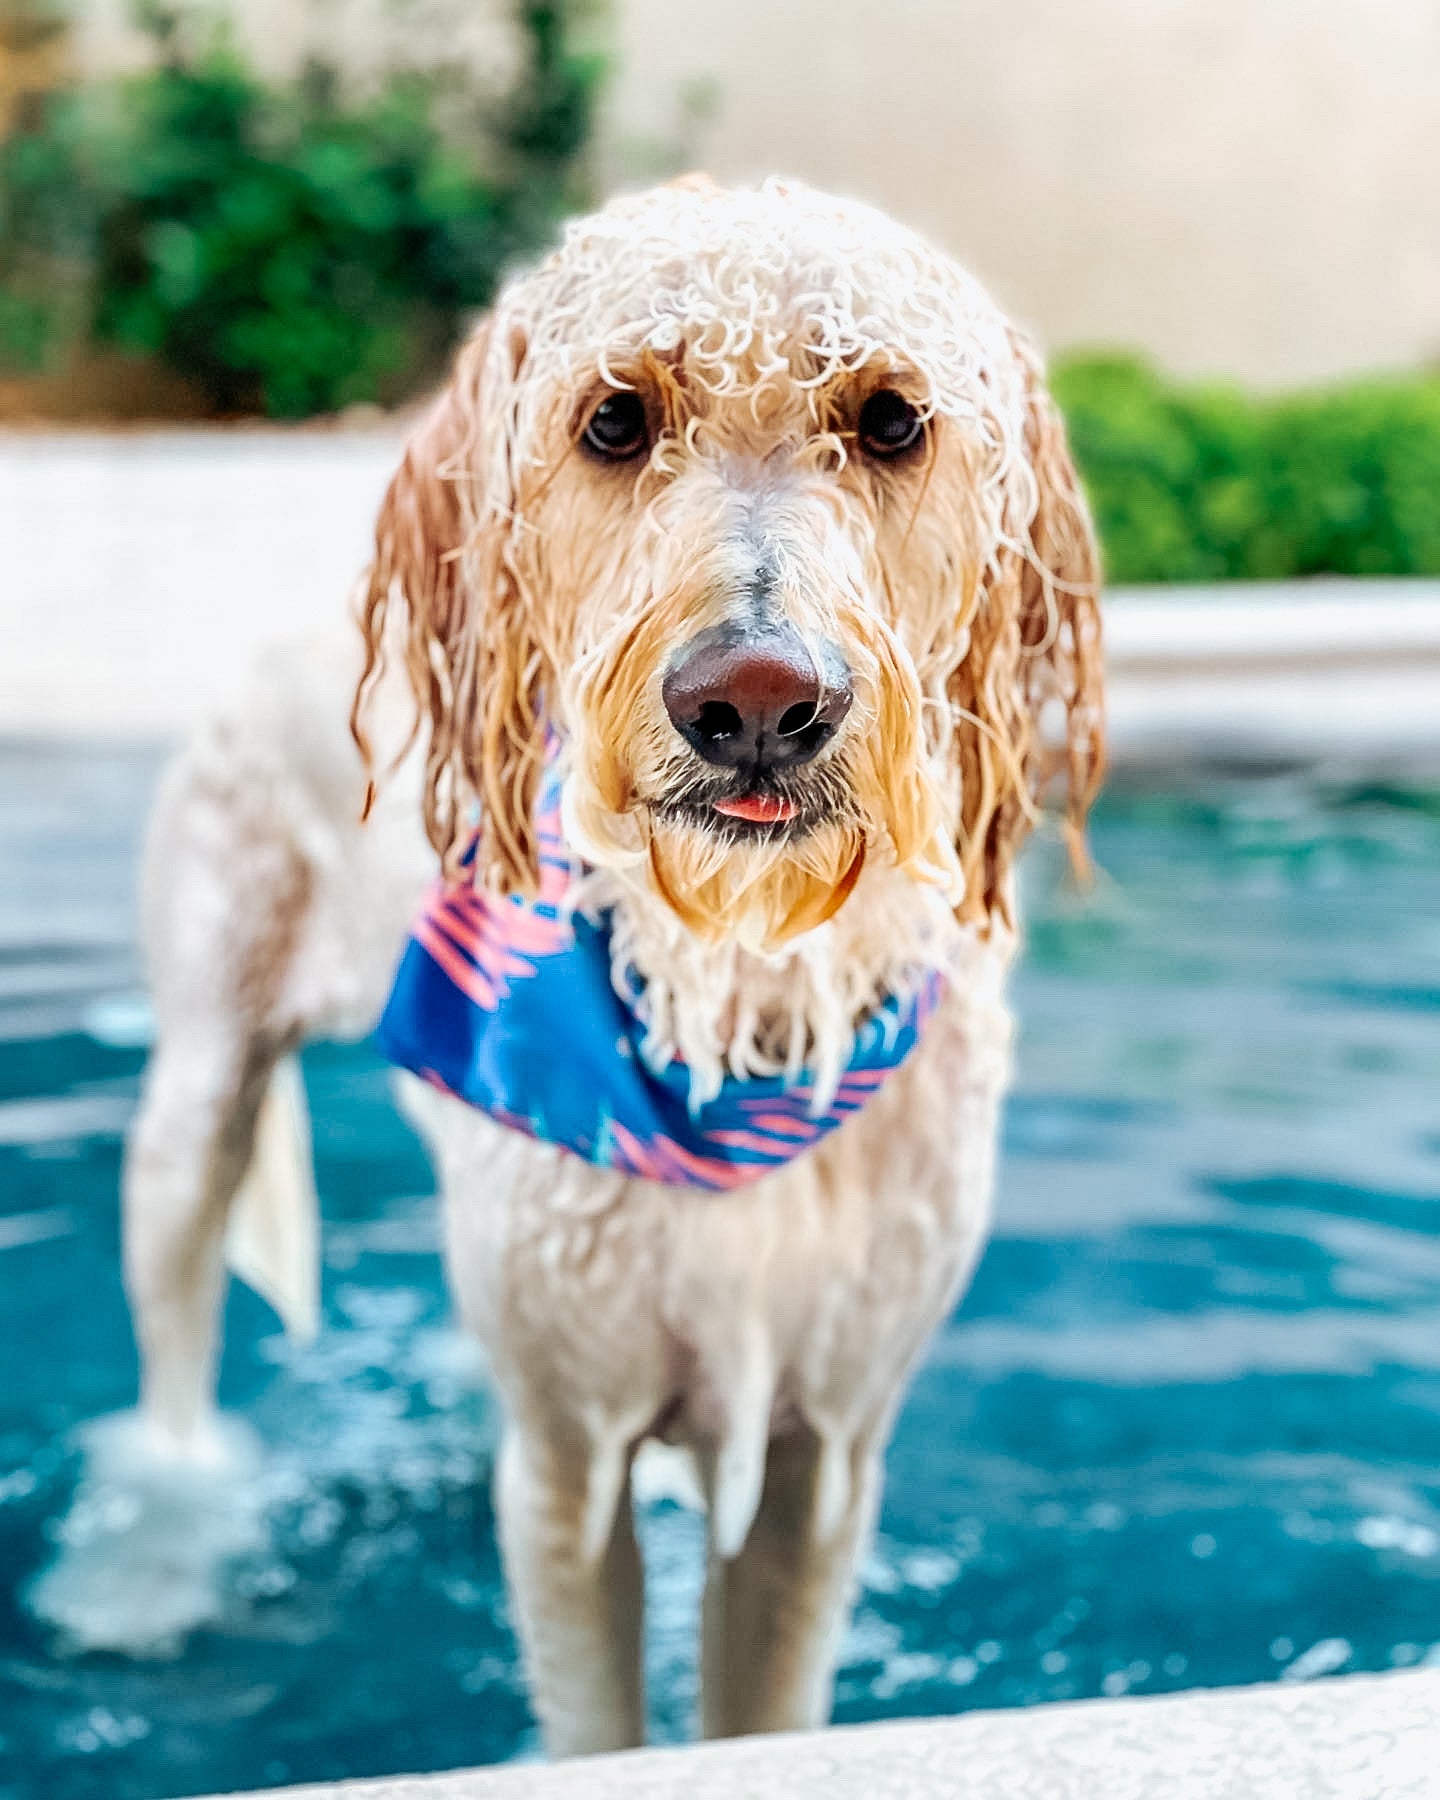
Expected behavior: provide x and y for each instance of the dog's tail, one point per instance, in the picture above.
(273, 1241)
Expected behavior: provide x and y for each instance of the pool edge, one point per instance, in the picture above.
(1356, 1737)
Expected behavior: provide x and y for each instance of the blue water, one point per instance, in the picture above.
(1184, 1430)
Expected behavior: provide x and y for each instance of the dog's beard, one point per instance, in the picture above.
(638, 805)
(763, 893)
(720, 877)
(763, 886)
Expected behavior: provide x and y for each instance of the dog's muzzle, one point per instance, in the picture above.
(752, 699)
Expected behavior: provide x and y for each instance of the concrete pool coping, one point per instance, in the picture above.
(1322, 671)
(1358, 1737)
(147, 568)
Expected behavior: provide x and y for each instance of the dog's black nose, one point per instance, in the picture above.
(753, 697)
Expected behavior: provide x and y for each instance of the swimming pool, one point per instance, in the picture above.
(1184, 1430)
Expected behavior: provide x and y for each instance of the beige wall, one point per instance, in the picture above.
(1242, 186)
(359, 35)
(1238, 186)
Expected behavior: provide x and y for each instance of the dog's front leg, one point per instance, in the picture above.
(568, 1537)
(774, 1614)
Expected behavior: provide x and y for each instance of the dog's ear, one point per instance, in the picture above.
(444, 593)
(1032, 683)
(1060, 634)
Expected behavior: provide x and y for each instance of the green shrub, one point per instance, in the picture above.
(285, 247)
(1208, 483)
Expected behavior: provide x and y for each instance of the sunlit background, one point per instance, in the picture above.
(1185, 1430)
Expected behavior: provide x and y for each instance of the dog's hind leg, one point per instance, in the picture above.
(568, 1534)
(227, 895)
(192, 1144)
(774, 1613)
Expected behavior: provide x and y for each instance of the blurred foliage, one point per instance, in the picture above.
(295, 246)
(1210, 483)
(284, 246)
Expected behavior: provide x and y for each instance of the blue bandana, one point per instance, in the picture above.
(510, 1005)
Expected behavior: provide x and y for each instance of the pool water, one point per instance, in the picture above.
(1183, 1431)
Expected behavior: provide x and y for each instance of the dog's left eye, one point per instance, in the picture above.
(618, 428)
(888, 424)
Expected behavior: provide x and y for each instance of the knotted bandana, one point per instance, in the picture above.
(510, 1004)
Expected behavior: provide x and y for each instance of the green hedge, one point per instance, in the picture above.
(1210, 483)
(284, 247)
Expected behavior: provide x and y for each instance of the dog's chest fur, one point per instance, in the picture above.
(626, 1307)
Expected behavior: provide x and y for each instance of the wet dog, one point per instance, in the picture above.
(741, 573)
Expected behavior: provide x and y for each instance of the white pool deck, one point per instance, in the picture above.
(143, 570)
(1366, 1737)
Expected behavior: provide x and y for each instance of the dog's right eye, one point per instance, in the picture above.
(889, 425)
(618, 428)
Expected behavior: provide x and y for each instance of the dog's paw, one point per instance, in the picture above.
(155, 1523)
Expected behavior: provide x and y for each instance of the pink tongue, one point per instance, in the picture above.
(759, 809)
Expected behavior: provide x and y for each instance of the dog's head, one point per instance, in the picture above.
(760, 503)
